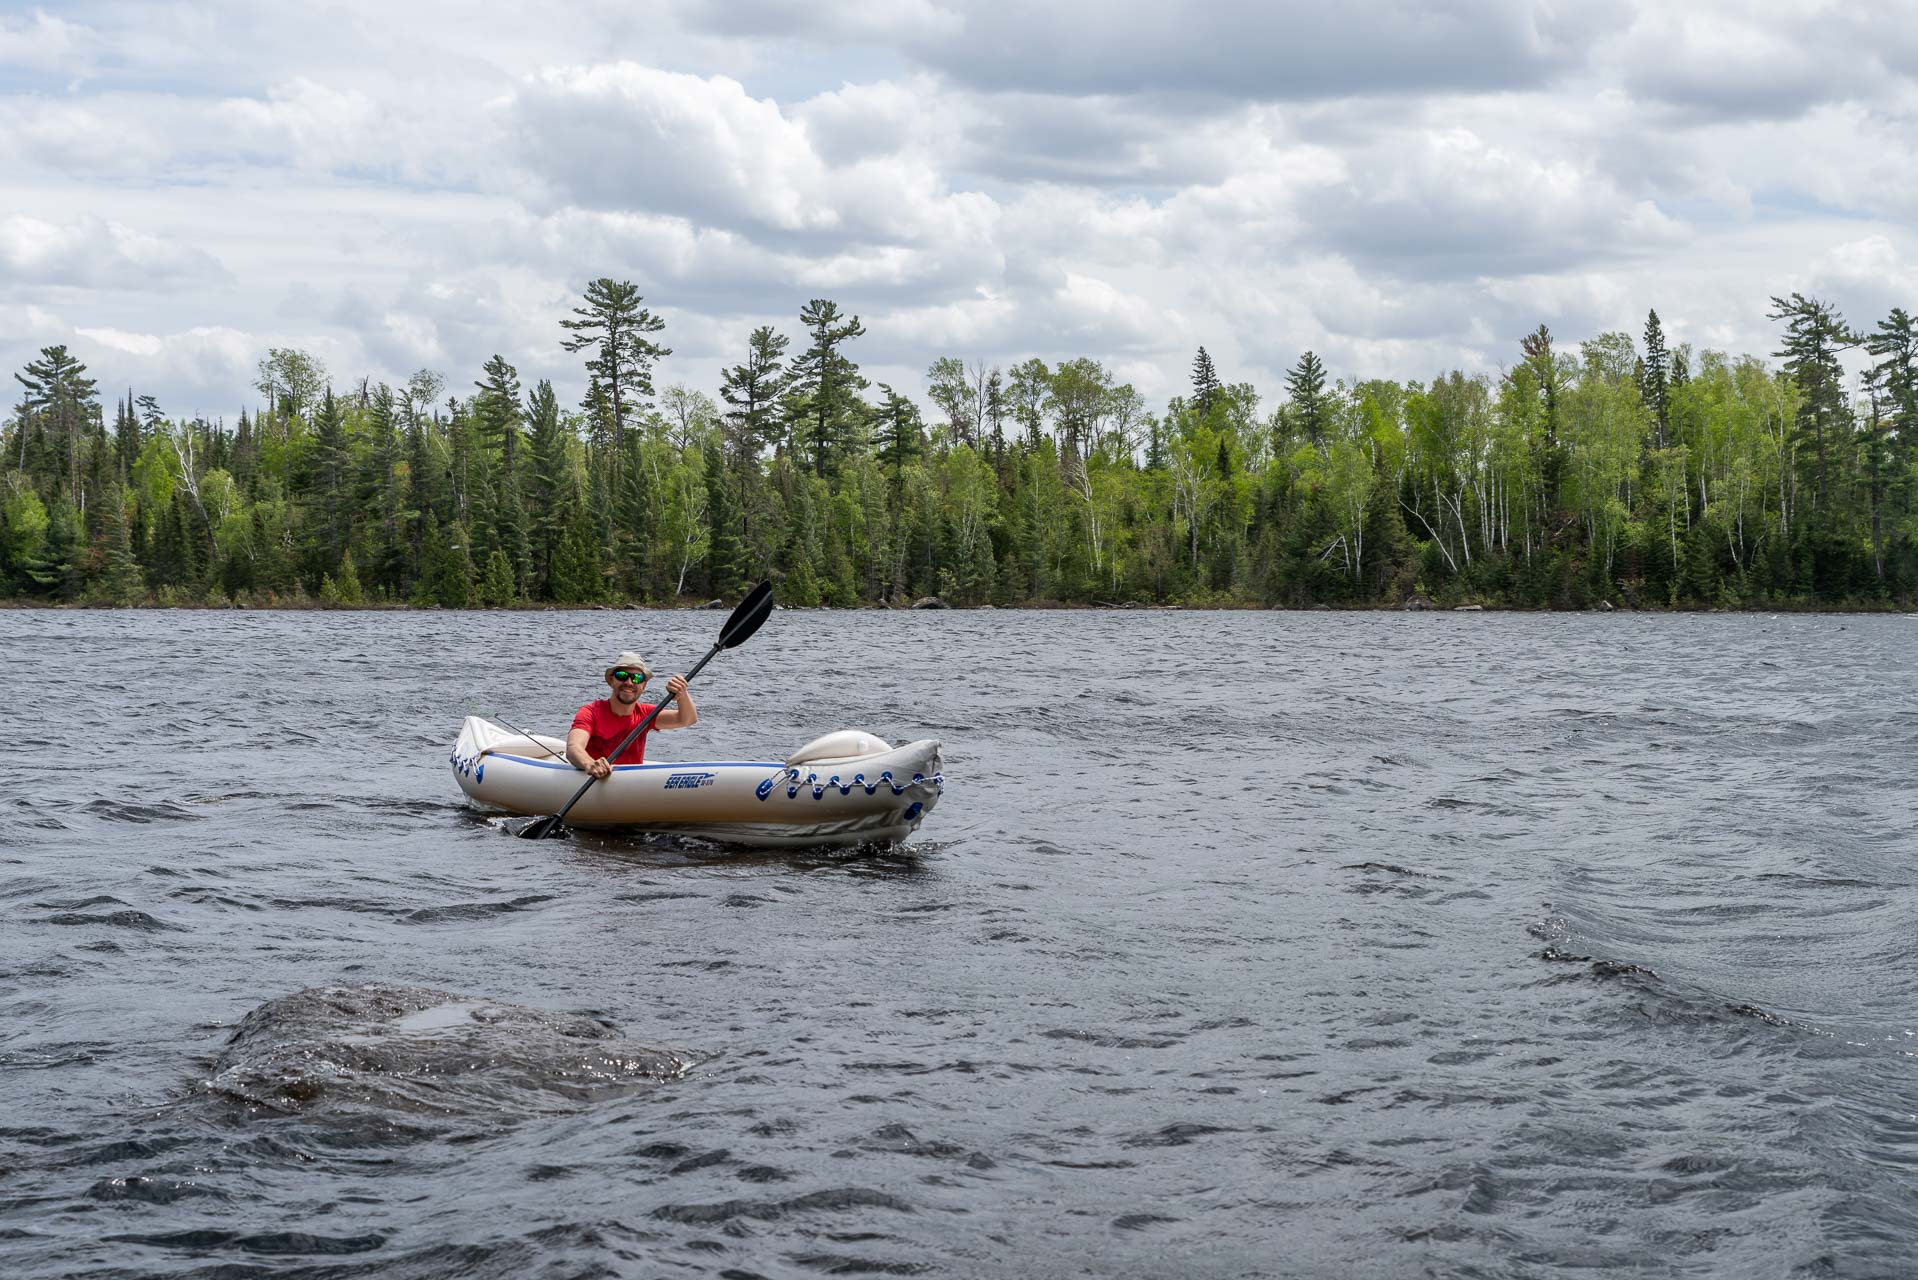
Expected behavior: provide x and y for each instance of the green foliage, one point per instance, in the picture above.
(1636, 470)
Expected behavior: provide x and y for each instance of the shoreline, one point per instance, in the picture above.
(1047, 606)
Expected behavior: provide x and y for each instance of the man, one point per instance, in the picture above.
(599, 726)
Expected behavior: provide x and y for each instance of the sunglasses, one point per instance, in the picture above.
(637, 677)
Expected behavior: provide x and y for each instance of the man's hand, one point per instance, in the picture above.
(675, 685)
(601, 768)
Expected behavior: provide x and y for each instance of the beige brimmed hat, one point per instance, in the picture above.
(631, 662)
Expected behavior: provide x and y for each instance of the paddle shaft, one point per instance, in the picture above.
(652, 713)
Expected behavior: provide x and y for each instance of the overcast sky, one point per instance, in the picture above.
(1404, 186)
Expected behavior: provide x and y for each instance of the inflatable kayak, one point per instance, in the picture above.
(845, 788)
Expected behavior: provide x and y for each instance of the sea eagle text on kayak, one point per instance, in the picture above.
(598, 727)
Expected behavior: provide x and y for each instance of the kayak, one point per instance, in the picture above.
(848, 787)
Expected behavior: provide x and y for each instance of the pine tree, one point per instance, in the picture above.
(352, 594)
(1305, 387)
(898, 435)
(753, 391)
(446, 570)
(1654, 384)
(496, 589)
(1205, 383)
(551, 479)
(1814, 335)
(613, 326)
(512, 531)
(1542, 364)
(126, 436)
(1895, 343)
(830, 384)
(331, 485)
(576, 566)
(115, 578)
(726, 558)
(496, 411)
(379, 495)
(62, 399)
(996, 408)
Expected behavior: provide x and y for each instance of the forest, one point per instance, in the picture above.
(1626, 470)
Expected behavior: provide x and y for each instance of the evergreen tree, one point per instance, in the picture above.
(752, 392)
(996, 409)
(115, 578)
(898, 435)
(1305, 388)
(1895, 343)
(1655, 383)
(446, 570)
(62, 400)
(1541, 363)
(551, 480)
(726, 558)
(380, 497)
(496, 411)
(496, 589)
(1205, 383)
(512, 530)
(576, 565)
(126, 436)
(830, 384)
(613, 327)
(332, 482)
(1814, 335)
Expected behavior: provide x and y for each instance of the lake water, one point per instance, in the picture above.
(1241, 944)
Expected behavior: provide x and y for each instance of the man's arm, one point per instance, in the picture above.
(576, 740)
(682, 714)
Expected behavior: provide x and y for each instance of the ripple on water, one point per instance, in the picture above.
(1526, 946)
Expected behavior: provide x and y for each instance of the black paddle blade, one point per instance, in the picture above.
(746, 619)
(541, 828)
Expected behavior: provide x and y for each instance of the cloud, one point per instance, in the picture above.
(39, 41)
(1451, 203)
(206, 370)
(626, 136)
(1761, 59)
(301, 122)
(1251, 49)
(95, 251)
(1399, 186)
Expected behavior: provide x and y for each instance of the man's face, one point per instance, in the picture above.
(626, 684)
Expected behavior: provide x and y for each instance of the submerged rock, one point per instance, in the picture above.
(418, 1049)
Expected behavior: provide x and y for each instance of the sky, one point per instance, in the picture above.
(1402, 186)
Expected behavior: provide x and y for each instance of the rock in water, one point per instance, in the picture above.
(418, 1049)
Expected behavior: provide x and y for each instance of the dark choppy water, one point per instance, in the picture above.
(1241, 944)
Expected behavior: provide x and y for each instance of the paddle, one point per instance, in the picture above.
(752, 611)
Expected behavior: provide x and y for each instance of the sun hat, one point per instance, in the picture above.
(631, 661)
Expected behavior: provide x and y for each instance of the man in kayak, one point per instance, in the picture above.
(599, 726)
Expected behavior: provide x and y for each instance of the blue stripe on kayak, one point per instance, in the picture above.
(625, 768)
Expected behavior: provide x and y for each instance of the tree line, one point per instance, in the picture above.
(1630, 470)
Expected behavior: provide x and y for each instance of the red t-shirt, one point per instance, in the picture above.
(605, 727)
